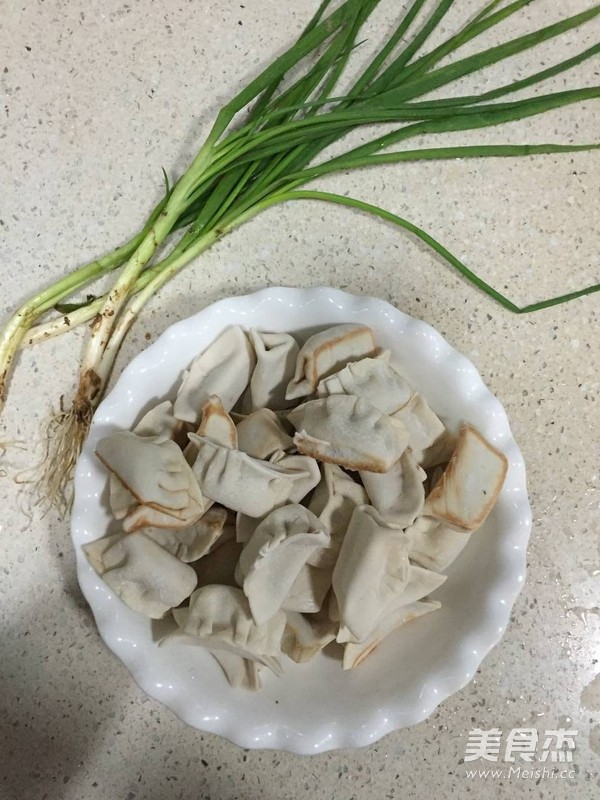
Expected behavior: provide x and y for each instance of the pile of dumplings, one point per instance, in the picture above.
(289, 497)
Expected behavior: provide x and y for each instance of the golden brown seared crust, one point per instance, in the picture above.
(333, 343)
(213, 408)
(303, 444)
(438, 491)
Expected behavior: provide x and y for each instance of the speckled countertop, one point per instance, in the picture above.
(95, 98)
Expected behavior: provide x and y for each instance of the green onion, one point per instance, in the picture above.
(246, 166)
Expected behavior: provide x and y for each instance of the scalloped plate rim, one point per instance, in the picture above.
(323, 736)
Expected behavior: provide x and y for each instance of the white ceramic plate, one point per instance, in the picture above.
(317, 706)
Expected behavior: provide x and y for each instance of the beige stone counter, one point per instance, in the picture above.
(96, 98)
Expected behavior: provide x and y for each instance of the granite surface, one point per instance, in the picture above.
(95, 98)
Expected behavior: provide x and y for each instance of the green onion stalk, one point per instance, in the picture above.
(246, 166)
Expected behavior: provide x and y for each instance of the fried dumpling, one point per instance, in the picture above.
(144, 575)
(243, 483)
(398, 494)
(349, 431)
(374, 379)
(261, 433)
(327, 352)
(220, 618)
(356, 652)
(189, 544)
(154, 472)
(470, 484)
(434, 545)
(276, 356)
(224, 369)
(273, 556)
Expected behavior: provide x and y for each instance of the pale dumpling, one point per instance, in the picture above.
(280, 546)
(356, 652)
(243, 483)
(398, 494)
(374, 379)
(433, 545)
(276, 356)
(333, 502)
(144, 575)
(372, 569)
(425, 429)
(220, 618)
(260, 434)
(160, 423)
(223, 369)
(349, 431)
(240, 672)
(310, 588)
(191, 543)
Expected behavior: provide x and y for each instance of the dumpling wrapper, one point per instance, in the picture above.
(147, 578)
(220, 618)
(144, 516)
(356, 652)
(327, 352)
(308, 471)
(120, 499)
(374, 379)
(470, 484)
(224, 369)
(398, 494)
(274, 555)
(372, 569)
(155, 472)
(240, 672)
(420, 583)
(190, 544)
(348, 431)
(309, 590)
(243, 483)
(276, 356)
(218, 566)
(333, 502)
(433, 545)
(425, 429)
(160, 423)
(305, 637)
(261, 433)
(216, 424)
